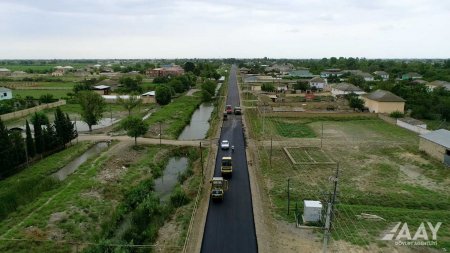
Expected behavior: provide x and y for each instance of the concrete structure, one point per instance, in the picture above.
(437, 145)
(312, 211)
(341, 89)
(168, 70)
(5, 93)
(381, 101)
(5, 72)
(384, 75)
(318, 82)
(411, 75)
(413, 125)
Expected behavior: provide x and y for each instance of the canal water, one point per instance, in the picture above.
(199, 124)
(165, 184)
(64, 172)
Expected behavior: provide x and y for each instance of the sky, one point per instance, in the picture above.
(106, 29)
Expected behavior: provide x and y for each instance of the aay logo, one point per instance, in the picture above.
(404, 233)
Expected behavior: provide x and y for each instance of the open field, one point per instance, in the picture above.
(38, 93)
(108, 200)
(381, 172)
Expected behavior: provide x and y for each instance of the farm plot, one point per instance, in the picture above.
(307, 155)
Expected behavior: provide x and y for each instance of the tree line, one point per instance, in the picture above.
(47, 138)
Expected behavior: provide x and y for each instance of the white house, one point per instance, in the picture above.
(318, 82)
(345, 88)
(5, 93)
(384, 75)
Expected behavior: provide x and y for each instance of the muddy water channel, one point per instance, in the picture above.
(165, 184)
(199, 125)
(75, 164)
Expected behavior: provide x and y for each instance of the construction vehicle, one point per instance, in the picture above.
(229, 109)
(218, 188)
(237, 110)
(226, 169)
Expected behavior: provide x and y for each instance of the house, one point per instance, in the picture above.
(384, 75)
(411, 76)
(5, 93)
(301, 73)
(102, 89)
(244, 70)
(58, 72)
(148, 97)
(260, 79)
(341, 89)
(281, 68)
(166, 70)
(381, 101)
(367, 77)
(331, 72)
(5, 72)
(114, 84)
(437, 84)
(19, 73)
(318, 82)
(437, 145)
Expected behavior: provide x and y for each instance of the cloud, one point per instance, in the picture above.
(223, 28)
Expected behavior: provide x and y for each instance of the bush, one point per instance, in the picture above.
(268, 87)
(396, 115)
(178, 197)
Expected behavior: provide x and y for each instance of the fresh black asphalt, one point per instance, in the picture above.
(229, 225)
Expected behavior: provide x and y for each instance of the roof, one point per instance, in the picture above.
(101, 87)
(317, 79)
(4, 70)
(347, 87)
(3, 89)
(117, 96)
(384, 96)
(301, 72)
(412, 74)
(441, 137)
(149, 93)
(226, 157)
(380, 73)
(364, 74)
(439, 83)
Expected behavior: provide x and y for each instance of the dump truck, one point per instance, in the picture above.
(226, 168)
(218, 188)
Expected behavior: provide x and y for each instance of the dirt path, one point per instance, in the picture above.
(191, 92)
(140, 140)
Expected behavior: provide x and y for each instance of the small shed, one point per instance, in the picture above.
(5, 93)
(102, 89)
(437, 145)
(312, 211)
(148, 97)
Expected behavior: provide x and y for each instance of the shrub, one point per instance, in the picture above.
(396, 115)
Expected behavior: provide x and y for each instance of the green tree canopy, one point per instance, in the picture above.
(163, 95)
(134, 126)
(92, 107)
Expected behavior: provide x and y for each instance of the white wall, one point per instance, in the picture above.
(5, 95)
(420, 129)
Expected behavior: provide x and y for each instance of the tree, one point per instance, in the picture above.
(208, 89)
(130, 103)
(65, 129)
(5, 149)
(46, 98)
(134, 126)
(299, 85)
(50, 138)
(92, 107)
(189, 66)
(268, 87)
(38, 120)
(163, 95)
(31, 149)
(355, 102)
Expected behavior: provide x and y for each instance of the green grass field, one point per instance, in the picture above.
(382, 172)
(38, 93)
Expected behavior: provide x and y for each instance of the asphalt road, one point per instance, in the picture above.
(229, 225)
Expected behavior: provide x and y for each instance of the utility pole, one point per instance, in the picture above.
(264, 116)
(201, 159)
(321, 137)
(330, 210)
(271, 150)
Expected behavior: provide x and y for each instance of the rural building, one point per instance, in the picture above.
(148, 97)
(5, 72)
(5, 93)
(260, 79)
(102, 89)
(384, 75)
(114, 84)
(301, 73)
(411, 76)
(331, 72)
(381, 101)
(367, 77)
(413, 125)
(19, 73)
(318, 82)
(167, 70)
(244, 70)
(437, 145)
(437, 84)
(341, 89)
(281, 68)
(58, 72)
